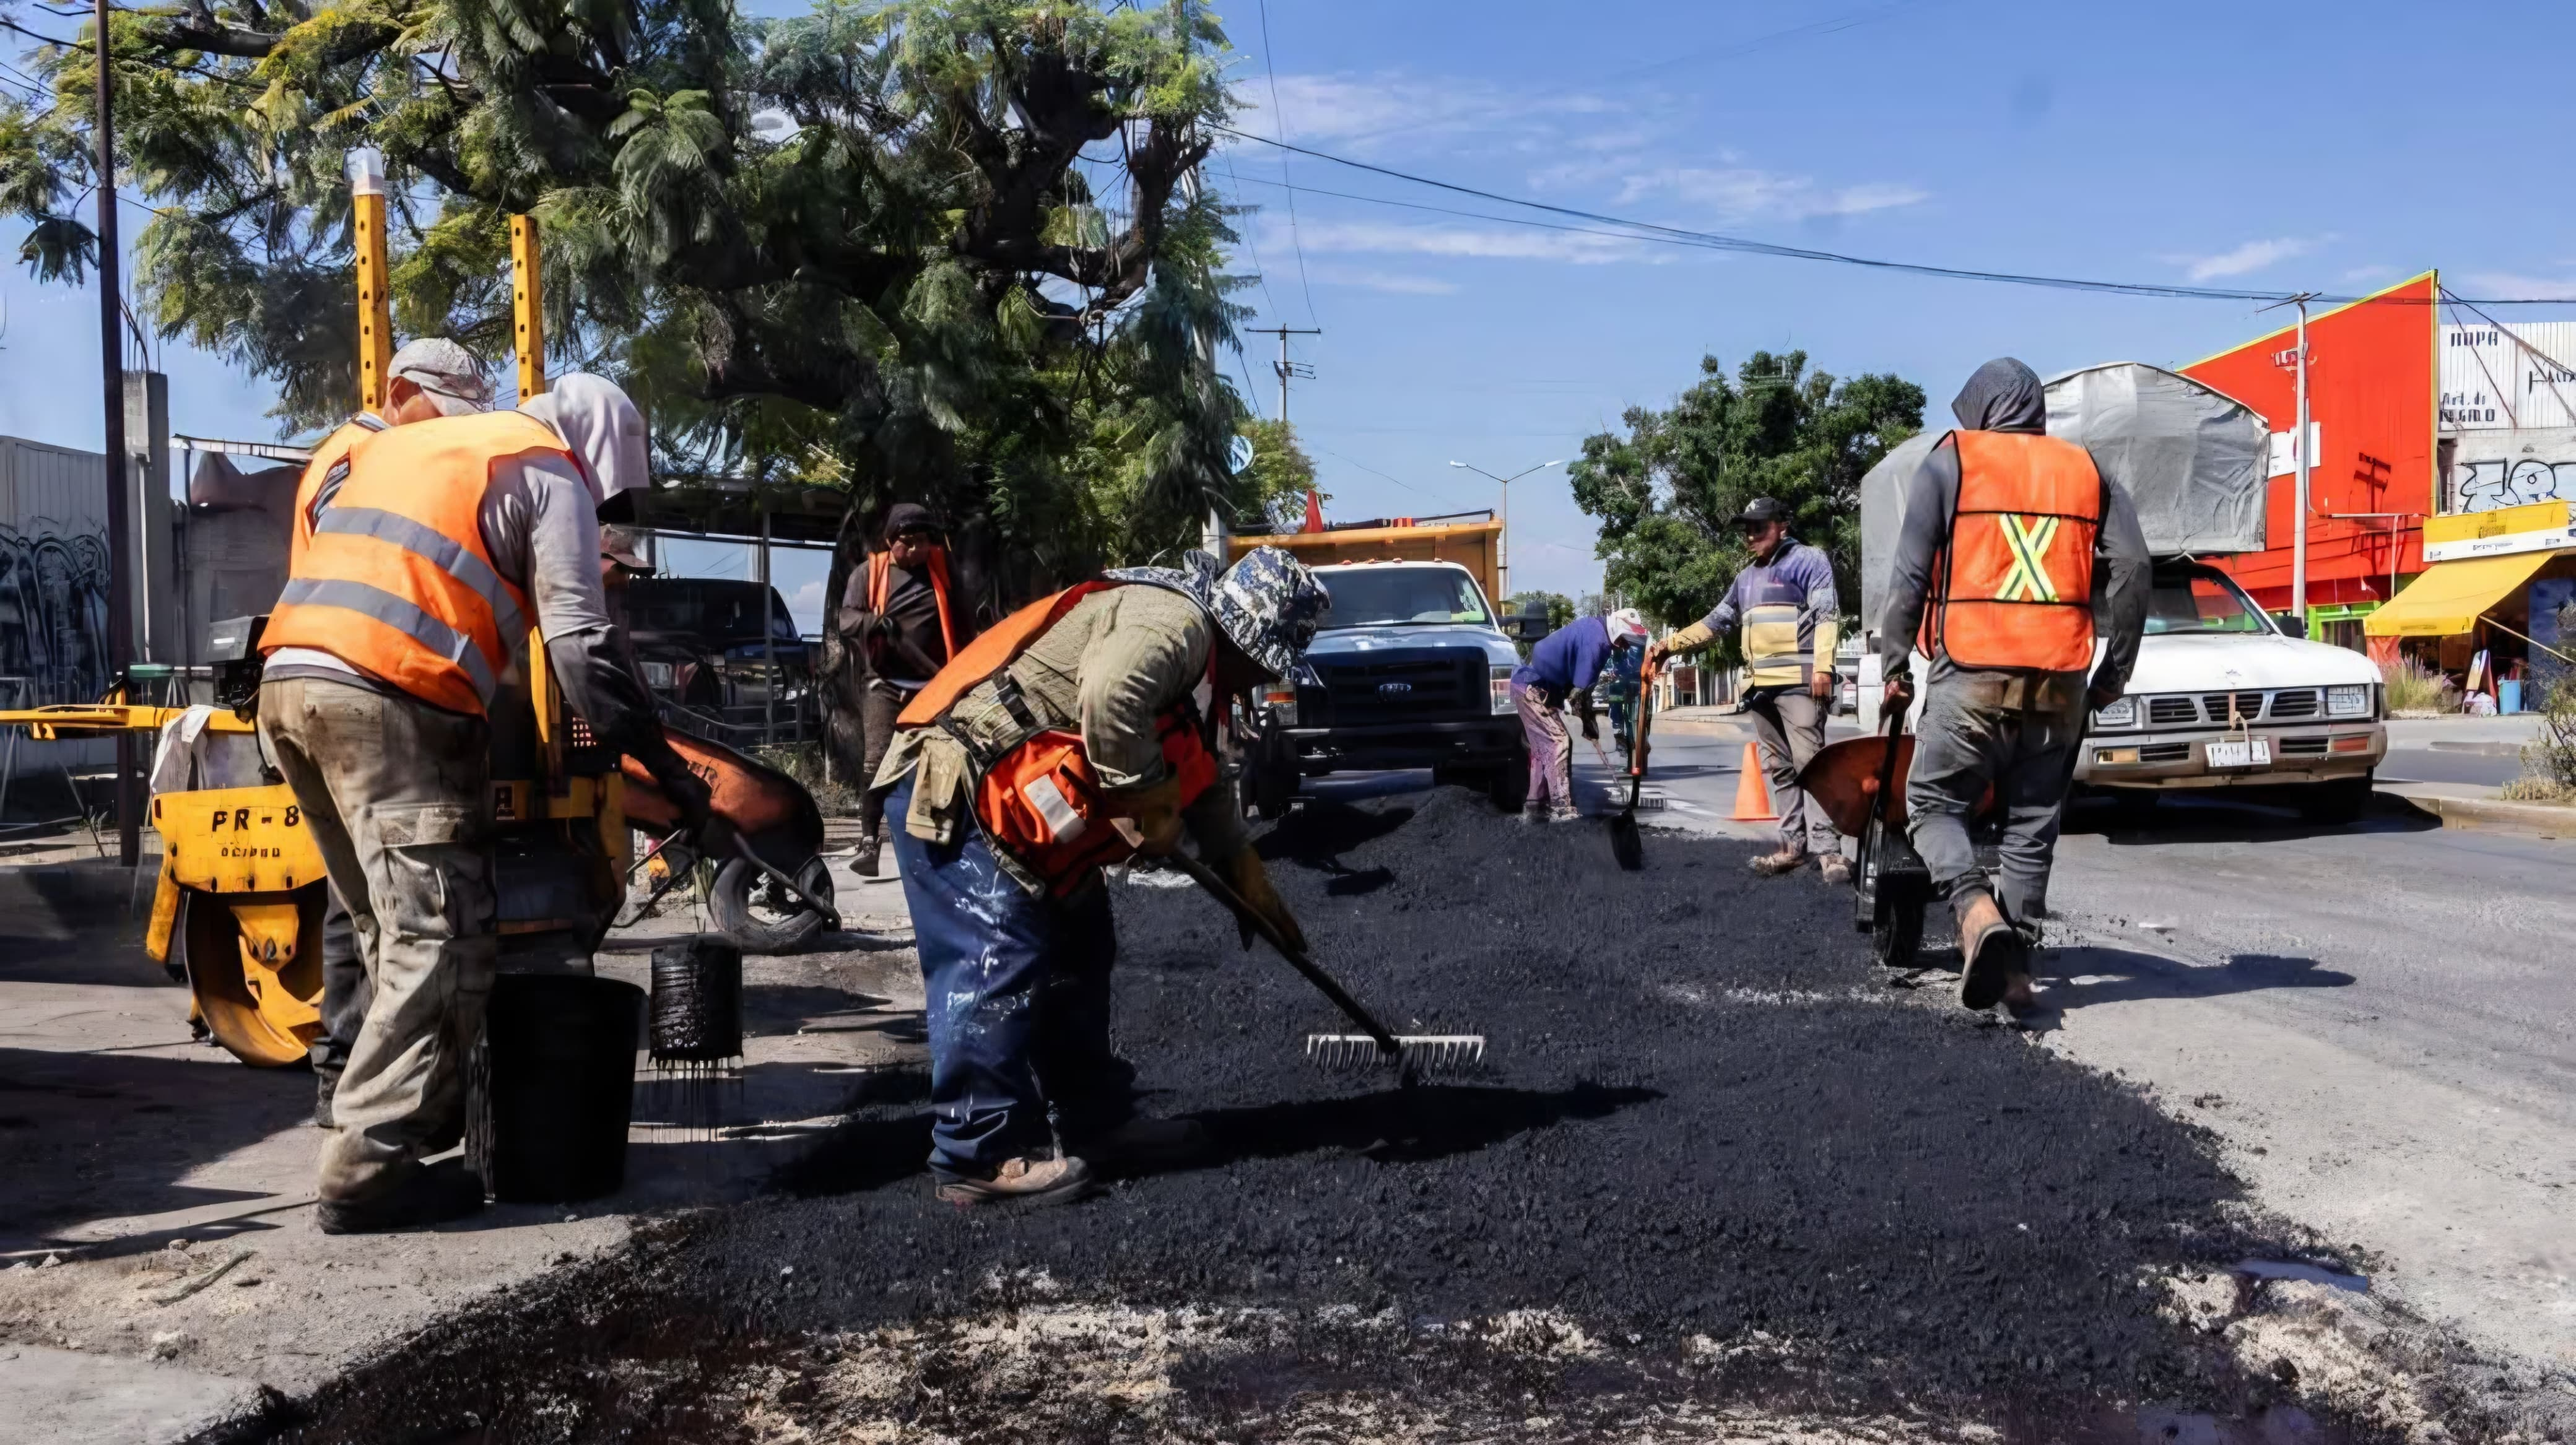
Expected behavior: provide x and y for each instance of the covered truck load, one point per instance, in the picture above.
(2193, 460)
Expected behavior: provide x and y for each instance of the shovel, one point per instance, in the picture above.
(1627, 841)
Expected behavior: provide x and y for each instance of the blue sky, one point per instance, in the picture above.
(2277, 144)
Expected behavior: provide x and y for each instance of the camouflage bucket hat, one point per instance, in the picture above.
(1270, 605)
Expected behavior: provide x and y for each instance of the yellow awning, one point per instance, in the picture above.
(2448, 597)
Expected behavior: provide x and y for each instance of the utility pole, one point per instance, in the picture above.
(120, 526)
(1283, 365)
(2299, 452)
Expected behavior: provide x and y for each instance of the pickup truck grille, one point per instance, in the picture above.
(1393, 688)
(2301, 702)
(2295, 704)
(2249, 705)
(2166, 711)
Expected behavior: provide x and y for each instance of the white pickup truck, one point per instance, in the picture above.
(2222, 698)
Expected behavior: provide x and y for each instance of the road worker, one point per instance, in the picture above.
(1564, 668)
(419, 559)
(2012, 542)
(1073, 734)
(1790, 618)
(430, 377)
(901, 627)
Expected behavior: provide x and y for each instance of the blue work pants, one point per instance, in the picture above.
(1016, 989)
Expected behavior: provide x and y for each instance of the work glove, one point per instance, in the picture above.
(1252, 884)
(1583, 711)
(1655, 655)
(689, 793)
(2101, 695)
(1150, 816)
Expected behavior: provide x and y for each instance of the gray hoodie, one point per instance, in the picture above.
(2006, 396)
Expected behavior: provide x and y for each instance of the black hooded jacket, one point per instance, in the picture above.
(2006, 396)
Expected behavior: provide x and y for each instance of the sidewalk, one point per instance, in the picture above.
(2467, 805)
(135, 1166)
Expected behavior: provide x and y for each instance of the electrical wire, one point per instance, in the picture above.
(1279, 117)
(1399, 481)
(1719, 241)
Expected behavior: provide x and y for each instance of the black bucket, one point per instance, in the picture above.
(562, 1051)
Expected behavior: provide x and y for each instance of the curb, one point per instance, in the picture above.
(2538, 819)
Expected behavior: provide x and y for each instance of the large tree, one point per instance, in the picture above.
(1668, 490)
(927, 249)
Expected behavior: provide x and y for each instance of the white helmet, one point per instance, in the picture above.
(1627, 625)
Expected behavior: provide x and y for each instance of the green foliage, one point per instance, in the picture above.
(1668, 490)
(1279, 477)
(932, 249)
(1560, 608)
(2415, 688)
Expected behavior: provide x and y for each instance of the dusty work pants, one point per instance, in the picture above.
(1788, 729)
(345, 993)
(2017, 734)
(398, 796)
(879, 706)
(1016, 987)
(1551, 751)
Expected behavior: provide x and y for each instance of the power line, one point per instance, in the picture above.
(1259, 273)
(1399, 481)
(1718, 241)
(1280, 118)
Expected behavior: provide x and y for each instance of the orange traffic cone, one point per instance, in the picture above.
(1752, 799)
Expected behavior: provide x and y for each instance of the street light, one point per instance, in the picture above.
(1503, 545)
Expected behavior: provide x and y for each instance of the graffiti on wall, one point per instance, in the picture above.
(53, 611)
(2492, 486)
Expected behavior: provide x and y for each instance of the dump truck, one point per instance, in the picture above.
(1411, 668)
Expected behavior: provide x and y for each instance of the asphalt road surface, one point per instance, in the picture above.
(2378, 1019)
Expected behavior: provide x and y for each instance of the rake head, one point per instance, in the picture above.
(1423, 1053)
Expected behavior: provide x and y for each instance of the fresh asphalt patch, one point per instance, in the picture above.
(1710, 1184)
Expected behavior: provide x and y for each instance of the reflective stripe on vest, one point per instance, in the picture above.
(402, 616)
(2013, 587)
(389, 572)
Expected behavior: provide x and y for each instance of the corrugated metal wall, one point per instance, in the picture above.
(2521, 378)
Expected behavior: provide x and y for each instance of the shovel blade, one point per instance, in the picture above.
(1627, 843)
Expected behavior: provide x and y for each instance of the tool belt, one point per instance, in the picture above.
(1035, 796)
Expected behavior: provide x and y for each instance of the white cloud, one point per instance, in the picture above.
(1368, 279)
(1374, 111)
(1744, 193)
(2505, 284)
(1382, 239)
(2251, 257)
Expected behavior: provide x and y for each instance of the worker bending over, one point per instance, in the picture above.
(901, 628)
(1564, 667)
(430, 377)
(1073, 732)
(1790, 618)
(418, 560)
(1995, 582)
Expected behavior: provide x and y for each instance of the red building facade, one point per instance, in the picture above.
(2373, 404)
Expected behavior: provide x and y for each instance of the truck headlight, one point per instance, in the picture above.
(1499, 683)
(2120, 714)
(2348, 701)
(1281, 699)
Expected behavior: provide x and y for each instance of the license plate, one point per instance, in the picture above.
(2251, 753)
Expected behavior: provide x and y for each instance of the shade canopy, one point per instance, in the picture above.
(2447, 598)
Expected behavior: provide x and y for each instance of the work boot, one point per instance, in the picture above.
(1564, 813)
(1144, 1141)
(1533, 813)
(1787, 860)
(1991, 952)
(1836, 868)
(2020, 997)
(1029, 1181)
(864, 863)
(411, 1196)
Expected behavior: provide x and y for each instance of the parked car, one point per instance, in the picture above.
(2224, 696)
(699, 644)
(1409, 670)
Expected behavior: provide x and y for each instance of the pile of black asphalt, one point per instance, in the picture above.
(1706, 1131)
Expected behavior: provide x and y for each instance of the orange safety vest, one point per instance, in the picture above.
(2013, 586)
(881, 583)
(328, 467)
(392, 576)
(1038, 800)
